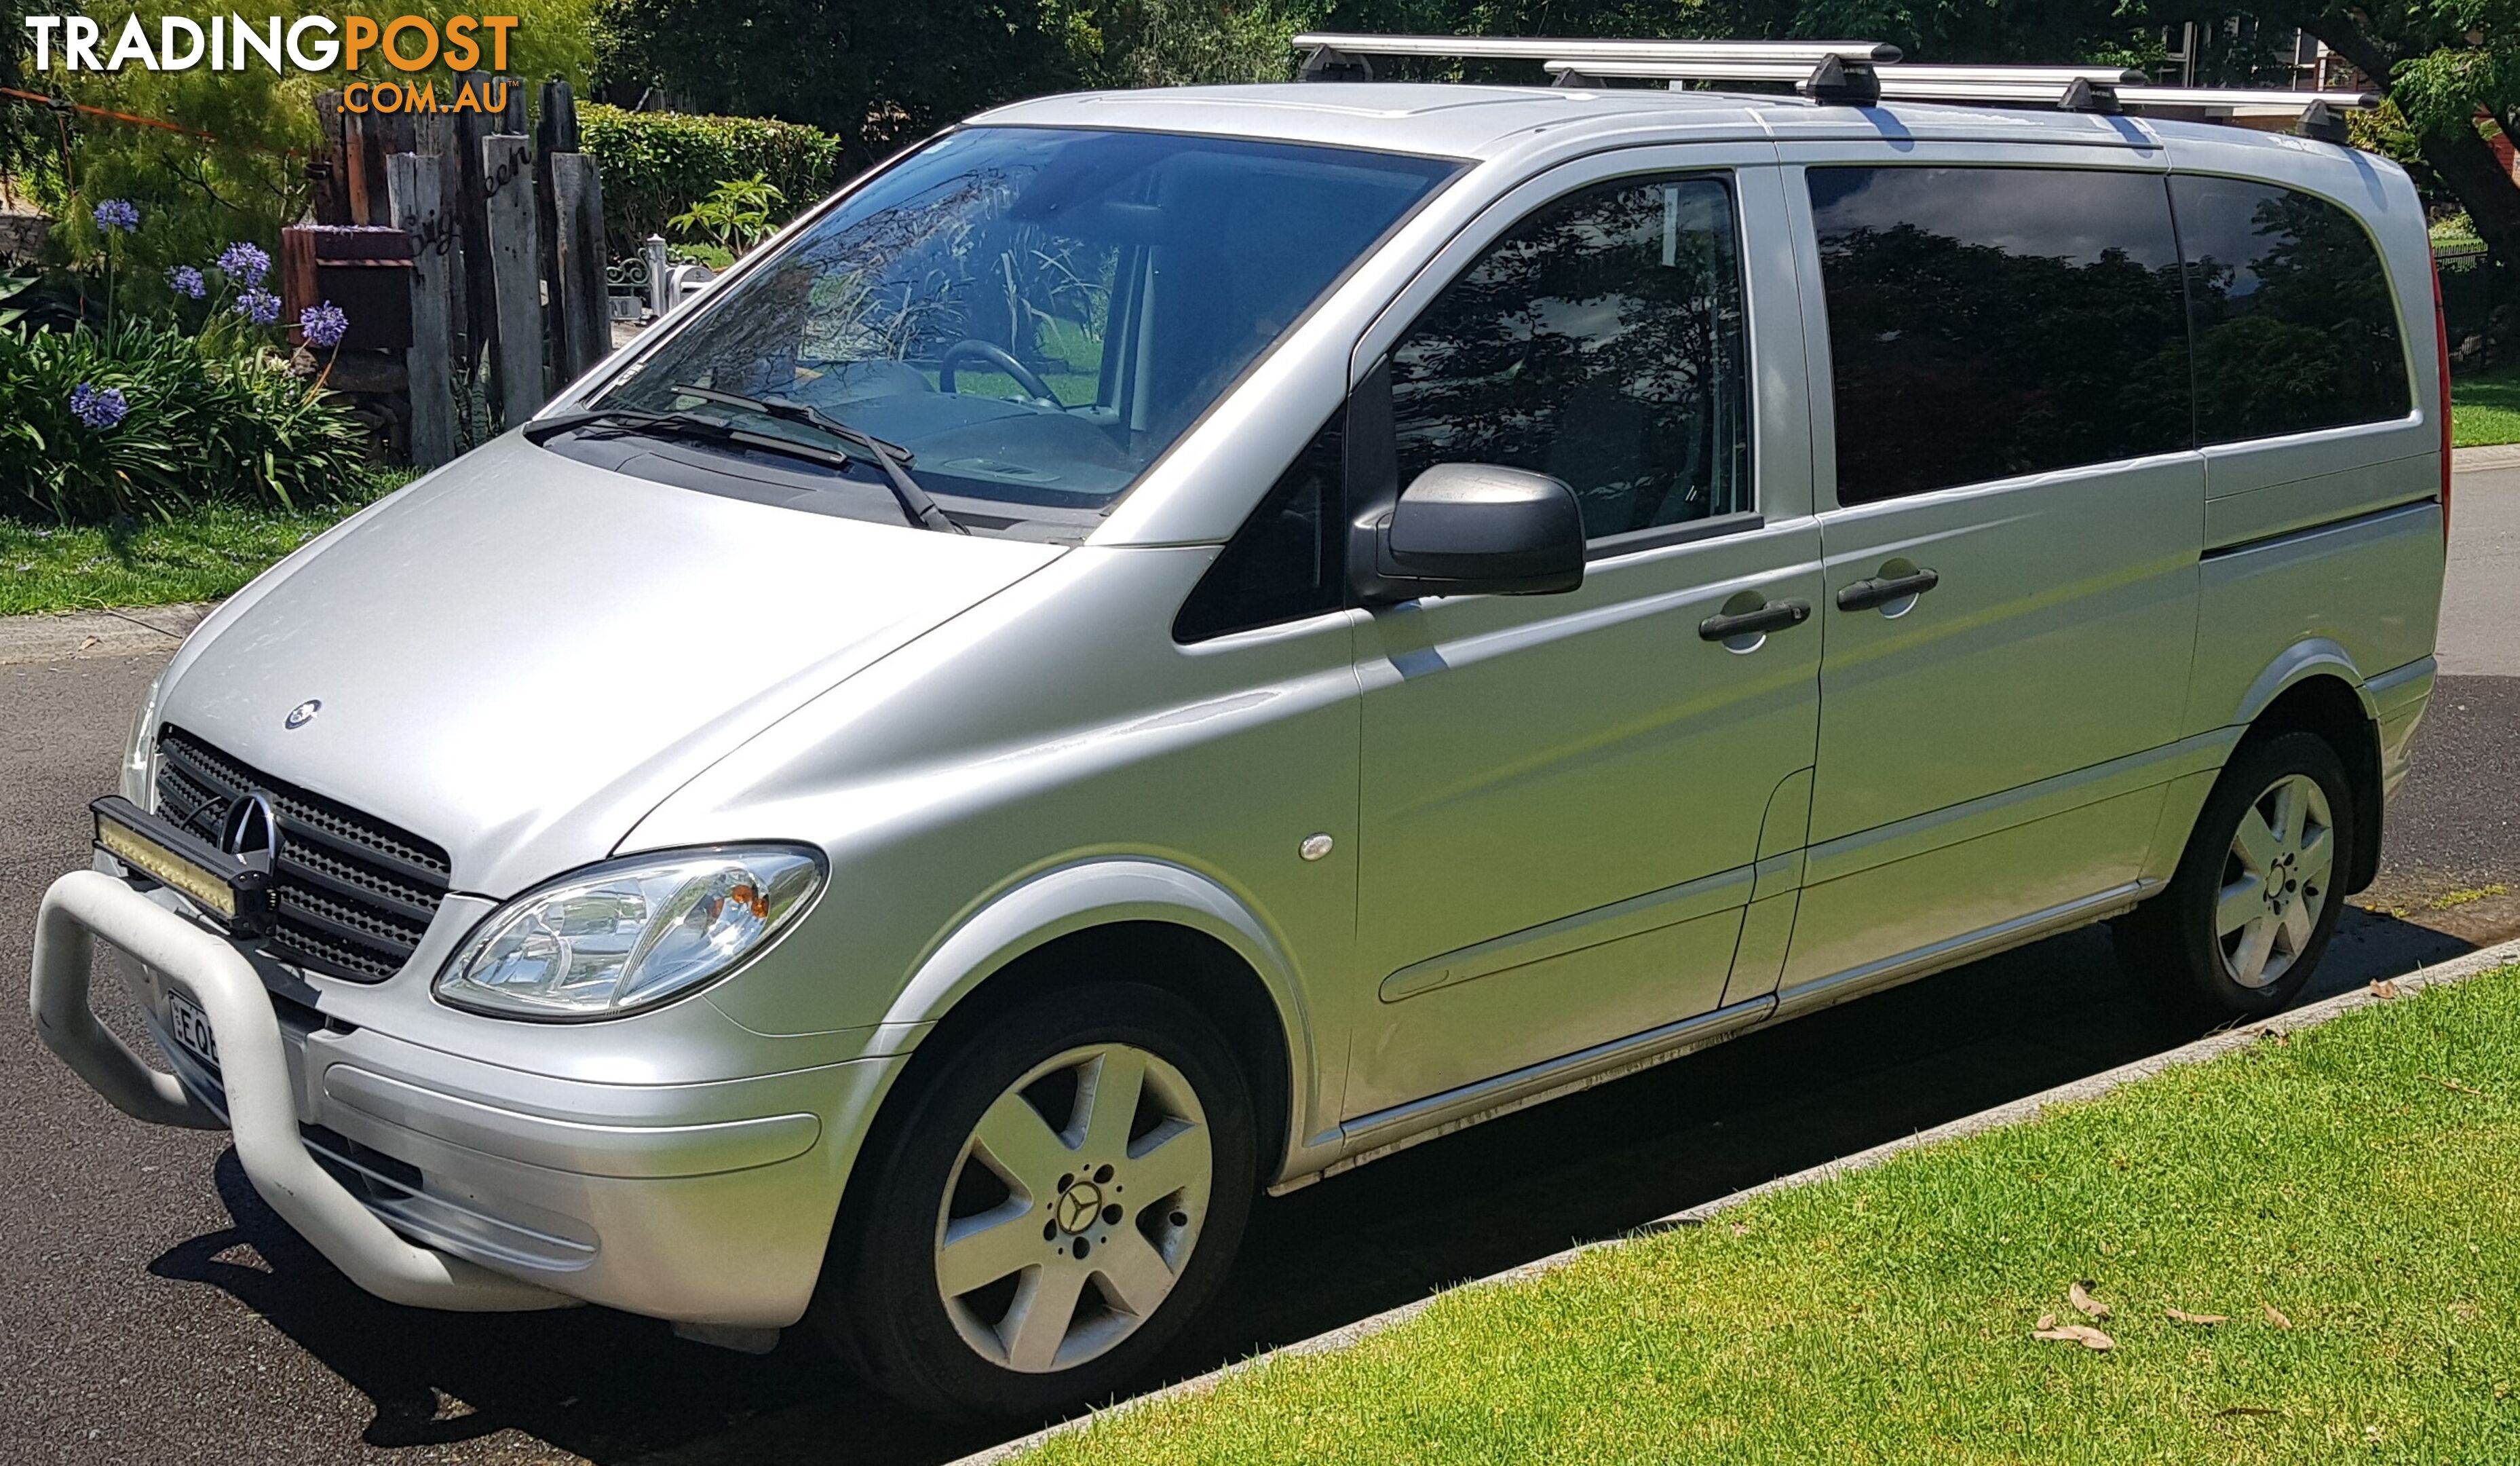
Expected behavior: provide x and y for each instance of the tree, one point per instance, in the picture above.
(878, 73)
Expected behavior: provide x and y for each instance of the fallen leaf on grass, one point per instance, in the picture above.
(2244, 1410)
(2091, 1307)
(2076, 1332)
(2385, 988)
(2274, 1315)
(2181, 1315)
(2455, 1084)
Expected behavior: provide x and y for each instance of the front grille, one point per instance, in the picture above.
(352, 893)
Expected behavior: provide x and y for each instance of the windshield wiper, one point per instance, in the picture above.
(679, 425)
(893, 459)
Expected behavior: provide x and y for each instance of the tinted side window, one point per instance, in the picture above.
(1288, 561)
(2295, 324)
(1600, 341)
(1984, 323)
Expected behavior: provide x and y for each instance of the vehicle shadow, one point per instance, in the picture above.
(624, 1391)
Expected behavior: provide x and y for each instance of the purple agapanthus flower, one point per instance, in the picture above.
(244, 263)
(98, 409)
(187, 282)
(324, 324)
(117, 215)
(260, 307)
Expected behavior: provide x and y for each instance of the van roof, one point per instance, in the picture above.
(1481, 122)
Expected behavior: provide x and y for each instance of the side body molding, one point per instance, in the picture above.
(1101, 892)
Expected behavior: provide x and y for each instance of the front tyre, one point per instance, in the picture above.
(1058, 1201)
(2249, 913)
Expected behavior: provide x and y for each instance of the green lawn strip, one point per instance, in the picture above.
(2485, 408)
(201, 555)
(2363, 1178)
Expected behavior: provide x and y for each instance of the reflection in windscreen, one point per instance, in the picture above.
(1038, 313)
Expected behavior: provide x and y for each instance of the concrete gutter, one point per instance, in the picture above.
(80, 634)
(2020, 1111)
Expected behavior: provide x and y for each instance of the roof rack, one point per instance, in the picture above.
(2071, 88)
(1839, 71)
(1857, 73)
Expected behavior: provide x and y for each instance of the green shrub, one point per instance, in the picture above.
(199, 426)
(657, 164)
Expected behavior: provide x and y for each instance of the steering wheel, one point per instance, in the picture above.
(999, 359)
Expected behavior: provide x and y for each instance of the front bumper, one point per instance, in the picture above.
(442, 1181)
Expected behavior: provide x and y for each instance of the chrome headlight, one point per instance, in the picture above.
(616, 938)
(140, 754)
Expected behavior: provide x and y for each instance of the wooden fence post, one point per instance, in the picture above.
(471, 193)
(412, 183)
(327, 170)
(554, 133)
(507, 165)
(585, 305)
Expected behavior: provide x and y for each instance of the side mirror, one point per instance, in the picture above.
(1476, 529)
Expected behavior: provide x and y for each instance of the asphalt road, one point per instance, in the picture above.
(152, 1309)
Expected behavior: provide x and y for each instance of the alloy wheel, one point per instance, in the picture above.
(2275, 881)
(1073, 1208)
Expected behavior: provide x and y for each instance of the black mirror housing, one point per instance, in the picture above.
(1476, 529)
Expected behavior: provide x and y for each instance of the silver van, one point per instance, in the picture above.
(1165, 645)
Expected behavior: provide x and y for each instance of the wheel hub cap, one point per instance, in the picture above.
(1074, 1208)
(2275, 881)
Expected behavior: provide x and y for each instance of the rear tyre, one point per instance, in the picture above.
(1060, 1198)
(2248, 915)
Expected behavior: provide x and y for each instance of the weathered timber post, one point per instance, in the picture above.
(326, 172)
(472, 195)
(554, 133)
(515, 281)
(577, 288)
(416, 195)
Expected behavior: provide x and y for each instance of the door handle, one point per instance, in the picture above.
(1776, 615)
(1881, 590)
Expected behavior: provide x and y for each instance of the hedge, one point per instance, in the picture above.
(657, 164)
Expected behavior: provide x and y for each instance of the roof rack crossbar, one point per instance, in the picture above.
(1336, 56)
(1843, 72)
(2072, 88)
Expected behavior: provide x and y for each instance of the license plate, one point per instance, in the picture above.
(191, 1028)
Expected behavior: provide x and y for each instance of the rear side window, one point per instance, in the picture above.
(2295, 325)
(1986, 323)
(1600, 341)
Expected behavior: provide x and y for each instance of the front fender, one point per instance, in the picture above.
(1101, 892)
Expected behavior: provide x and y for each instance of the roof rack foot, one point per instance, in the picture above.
(2081, 96)
(1834, 84)
(1328, 64)
(2322, 122)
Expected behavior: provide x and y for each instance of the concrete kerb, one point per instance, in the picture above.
(80, 634)
(2495, 456)
(2457, 970)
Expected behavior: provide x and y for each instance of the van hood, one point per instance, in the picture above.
(521, 655)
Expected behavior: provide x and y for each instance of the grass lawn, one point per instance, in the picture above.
(199, 556)
(2347, 1199)
(2485, 408)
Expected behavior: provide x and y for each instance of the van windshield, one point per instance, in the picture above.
(1035, 314)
